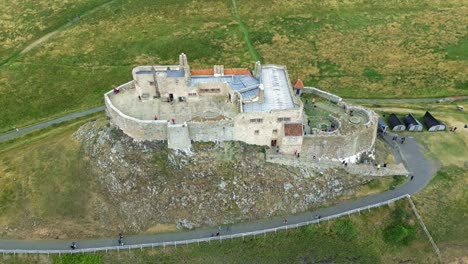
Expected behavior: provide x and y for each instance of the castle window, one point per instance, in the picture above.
(151, 82)
(284, 119)
(256, 132)
(192, 94)
(256, 120)
(213, 90)
(275, 131)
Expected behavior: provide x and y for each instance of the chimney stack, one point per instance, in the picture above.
(258, 70)
(218, 70)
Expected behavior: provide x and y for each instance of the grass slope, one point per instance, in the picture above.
(46, 186)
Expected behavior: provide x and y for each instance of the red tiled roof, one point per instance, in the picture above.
(237, 71)
(229, 71)
(298, 84)
(202, 72)
(293, 129)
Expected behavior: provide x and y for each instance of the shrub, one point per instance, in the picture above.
(345, 230)
(78, 259)
(399, 233)
(372, 74)
(374, 184)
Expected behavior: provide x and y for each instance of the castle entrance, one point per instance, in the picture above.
(273, 142)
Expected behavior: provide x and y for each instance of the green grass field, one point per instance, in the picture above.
(47, 188)
(369, 49)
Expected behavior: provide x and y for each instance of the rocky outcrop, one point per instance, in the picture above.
(213, 184)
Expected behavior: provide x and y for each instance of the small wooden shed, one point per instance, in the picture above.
(412, 124)
(298, 85)
(432, 124)
(395, 123)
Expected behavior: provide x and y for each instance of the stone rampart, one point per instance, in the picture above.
(348, 142)
(178, 136)
(135, 128)
(212, 130)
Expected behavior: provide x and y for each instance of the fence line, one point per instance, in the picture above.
(434, 246)
(198, 240)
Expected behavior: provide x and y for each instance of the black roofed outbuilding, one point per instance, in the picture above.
(432, 123)
(412, 124)
(395, 123)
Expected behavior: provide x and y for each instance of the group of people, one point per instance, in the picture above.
(395, 138)
(296, 153)
(73, 245)
(228, 229)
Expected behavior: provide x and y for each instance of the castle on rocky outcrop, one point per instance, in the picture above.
(261, 107)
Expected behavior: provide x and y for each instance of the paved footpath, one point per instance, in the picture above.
(410, 152)
(23, 131)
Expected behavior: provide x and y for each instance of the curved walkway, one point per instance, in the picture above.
(23, 131)
(410, 152)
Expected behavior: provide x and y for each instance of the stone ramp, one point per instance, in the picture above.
(178, 136)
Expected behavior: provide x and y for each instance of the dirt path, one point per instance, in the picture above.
(407, 100)
(47, 36)
(243, 28)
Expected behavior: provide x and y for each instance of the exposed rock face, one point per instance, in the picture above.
(212, 185)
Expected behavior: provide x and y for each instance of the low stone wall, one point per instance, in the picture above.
(326, 95)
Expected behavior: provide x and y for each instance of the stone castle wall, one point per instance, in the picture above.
(349, 142)
(135, 128)
(326, 95)
(212, 130)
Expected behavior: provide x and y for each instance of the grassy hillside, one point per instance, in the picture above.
(365, 49)
(23, 22)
